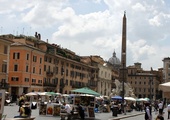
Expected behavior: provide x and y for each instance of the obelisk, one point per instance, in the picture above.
(123, 70)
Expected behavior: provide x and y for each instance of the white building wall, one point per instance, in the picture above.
(104, 83)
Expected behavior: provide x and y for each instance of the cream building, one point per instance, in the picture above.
(104, 80)
(166, 69)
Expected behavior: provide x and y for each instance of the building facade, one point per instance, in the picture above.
(166, 69)
(144, 83)
(36, 65)
(4, 62)
(104, 80)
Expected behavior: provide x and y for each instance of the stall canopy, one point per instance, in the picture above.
(86, 90)
(165, 87)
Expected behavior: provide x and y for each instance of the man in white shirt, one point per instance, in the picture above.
(160, 105)
(168, 110)
(68, 109)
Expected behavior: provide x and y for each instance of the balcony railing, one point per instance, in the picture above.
(49, 85)
(49, 73)
(36, 84)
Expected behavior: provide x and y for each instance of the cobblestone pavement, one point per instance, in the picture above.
(11, 111)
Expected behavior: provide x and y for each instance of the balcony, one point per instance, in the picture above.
(77, 86)
(62, 85)
(49, 85)
(49, 73)
(4, 85)
(36, 84)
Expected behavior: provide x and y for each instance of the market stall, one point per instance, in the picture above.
(87, 102)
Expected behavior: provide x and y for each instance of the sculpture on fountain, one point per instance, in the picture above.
(129, 92)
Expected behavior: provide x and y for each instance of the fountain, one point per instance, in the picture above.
(129, 92)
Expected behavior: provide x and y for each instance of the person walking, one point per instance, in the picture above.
(81, 111)
(160, 105)
(68, 109)
(148, 112)
(168, 110)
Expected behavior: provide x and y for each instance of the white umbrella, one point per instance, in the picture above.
(130, 98)
(42, 93)
(165, 87)
(142, 99)
(31, 94)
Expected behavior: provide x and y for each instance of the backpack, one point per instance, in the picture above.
(27, 111)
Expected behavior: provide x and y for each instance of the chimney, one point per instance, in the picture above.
(47, 40)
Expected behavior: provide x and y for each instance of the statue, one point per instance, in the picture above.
(128, 90)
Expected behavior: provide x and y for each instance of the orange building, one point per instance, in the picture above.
(36, 65)
(26, 68)
(4, 62)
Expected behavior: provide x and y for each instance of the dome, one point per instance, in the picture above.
(114, 60)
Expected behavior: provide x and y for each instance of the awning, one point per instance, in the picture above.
(86, 90)
(165, 87)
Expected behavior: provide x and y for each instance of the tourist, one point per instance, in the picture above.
(81, 111)
(159, 117)
(68, 109)
(25, 111)
(168, 110)
(160, 105)
(148, 111)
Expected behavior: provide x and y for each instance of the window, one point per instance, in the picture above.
(15, 67)
(44, 67)
(14, 79)
(27, 57)
(66, 82)
(5, 49)
(56, 70)
(45, 59)
(39, 71)
(39, 81)
(33, 80)
(4, 68)
(33, 69)
(67, 72)
(26, 79)
(16, 55)
(40, 60)
(26, 68)
(50, 60)
(34, 58)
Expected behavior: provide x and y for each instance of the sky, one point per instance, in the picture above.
(94, 27)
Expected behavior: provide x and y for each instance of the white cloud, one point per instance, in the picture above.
(138, 7)
(97, 32)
